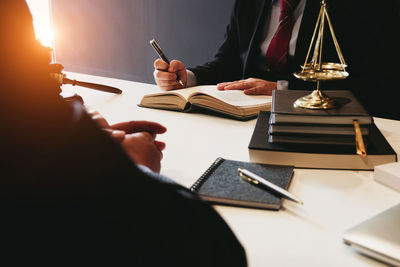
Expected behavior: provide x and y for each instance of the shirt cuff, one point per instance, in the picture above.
(282, 85)
(191, 79)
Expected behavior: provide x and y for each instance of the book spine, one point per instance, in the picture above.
(196, 186)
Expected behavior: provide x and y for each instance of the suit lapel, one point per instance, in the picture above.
(259, 26)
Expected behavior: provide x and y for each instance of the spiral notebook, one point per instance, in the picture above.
(222, 184)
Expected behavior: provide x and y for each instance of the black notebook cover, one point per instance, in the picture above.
(222, 184)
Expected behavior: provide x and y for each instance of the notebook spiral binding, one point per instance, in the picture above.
(195, 187)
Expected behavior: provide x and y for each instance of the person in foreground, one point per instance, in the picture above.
(71, 193)
(267, 41)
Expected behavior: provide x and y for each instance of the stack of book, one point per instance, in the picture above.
(324, 139)
(315, 127)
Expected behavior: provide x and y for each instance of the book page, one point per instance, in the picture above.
(175, 99)
(233, 102)
(232, 97)
(185, 92)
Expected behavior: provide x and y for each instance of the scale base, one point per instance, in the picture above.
(316, 100)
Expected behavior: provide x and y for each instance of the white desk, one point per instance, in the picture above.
(309, 235)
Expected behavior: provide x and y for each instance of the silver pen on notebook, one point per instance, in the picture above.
(255, 179)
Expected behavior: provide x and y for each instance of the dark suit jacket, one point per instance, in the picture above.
(69, 195)
(366, 32)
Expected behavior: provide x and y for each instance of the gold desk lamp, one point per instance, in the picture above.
(316, 70)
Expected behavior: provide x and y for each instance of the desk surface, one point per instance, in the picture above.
(309, 235)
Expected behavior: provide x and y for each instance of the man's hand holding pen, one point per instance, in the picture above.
(167, 76)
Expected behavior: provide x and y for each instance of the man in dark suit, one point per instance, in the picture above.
(366, 33)
(72, 195)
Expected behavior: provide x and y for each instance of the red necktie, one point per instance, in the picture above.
(279, 46)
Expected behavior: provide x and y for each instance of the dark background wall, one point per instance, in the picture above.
(111, 37)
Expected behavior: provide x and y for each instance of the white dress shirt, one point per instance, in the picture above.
(271, 26)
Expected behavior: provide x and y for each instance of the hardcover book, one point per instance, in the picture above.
(222, 184)
(305, 128)
(232, 103)
(349, 109)
(379, 151)
(313, 139)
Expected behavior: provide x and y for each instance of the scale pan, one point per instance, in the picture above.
(325, 66)
(328, 71)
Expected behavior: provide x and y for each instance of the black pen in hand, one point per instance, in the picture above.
(160, 53)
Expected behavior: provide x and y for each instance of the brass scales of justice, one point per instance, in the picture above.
(316, 70)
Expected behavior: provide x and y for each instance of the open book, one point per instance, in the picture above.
(233, 103)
